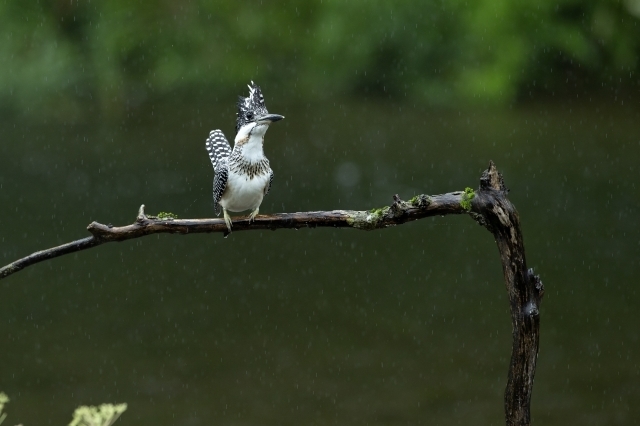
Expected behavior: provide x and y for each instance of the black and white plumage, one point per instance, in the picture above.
(243, 175)
(219, 152)
(217, 147)
(250, 107)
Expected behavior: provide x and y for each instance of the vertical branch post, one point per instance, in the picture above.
(492, 209)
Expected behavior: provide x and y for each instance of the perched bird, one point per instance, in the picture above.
(242, 174)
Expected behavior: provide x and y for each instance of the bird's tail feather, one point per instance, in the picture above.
(218, 147)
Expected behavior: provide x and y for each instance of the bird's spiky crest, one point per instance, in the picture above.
(250, 107)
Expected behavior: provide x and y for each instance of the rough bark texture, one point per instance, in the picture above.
(489, 206)
(397, 213)
(494, 211)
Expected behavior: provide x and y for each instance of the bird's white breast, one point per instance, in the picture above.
(243, 193)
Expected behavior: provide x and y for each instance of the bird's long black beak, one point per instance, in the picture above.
(269, 118)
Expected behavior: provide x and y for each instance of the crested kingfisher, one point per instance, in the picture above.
(242, 174)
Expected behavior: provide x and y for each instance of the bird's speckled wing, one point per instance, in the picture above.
(220, 184)
(268, 187)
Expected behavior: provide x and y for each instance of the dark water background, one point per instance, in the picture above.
(408, 325)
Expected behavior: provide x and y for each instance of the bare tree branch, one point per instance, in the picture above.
(397, 213)
(489, 206)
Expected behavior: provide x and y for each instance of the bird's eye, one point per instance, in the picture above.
(249, 116)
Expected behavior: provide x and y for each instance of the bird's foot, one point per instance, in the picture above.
(227, 220)
(253, 214)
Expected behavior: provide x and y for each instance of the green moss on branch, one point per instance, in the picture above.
(467, 196)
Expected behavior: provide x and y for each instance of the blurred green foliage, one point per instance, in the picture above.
(67, 56)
